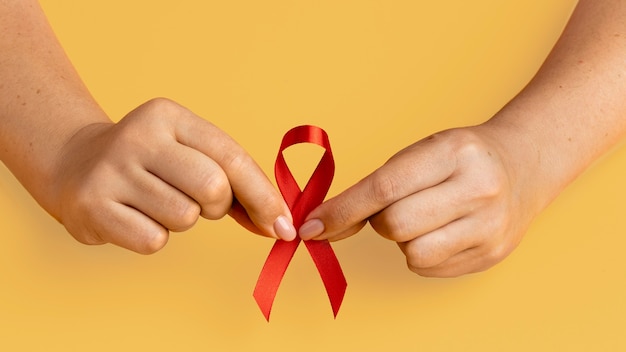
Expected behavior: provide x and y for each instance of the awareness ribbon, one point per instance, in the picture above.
(301, 203)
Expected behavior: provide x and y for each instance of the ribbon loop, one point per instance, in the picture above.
(301, 203)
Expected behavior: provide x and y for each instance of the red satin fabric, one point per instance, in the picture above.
(301, 203)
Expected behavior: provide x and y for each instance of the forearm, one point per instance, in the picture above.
(459, 201)
(574, 109)
(43, 102)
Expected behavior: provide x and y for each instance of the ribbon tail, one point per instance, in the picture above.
(330, 272)
(272, 273)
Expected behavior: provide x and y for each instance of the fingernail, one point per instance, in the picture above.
(311, 228)
(284, 228)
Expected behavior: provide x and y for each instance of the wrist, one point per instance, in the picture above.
(534, 174)
(79, 147)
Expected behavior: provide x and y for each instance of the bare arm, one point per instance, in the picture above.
(43, 102)
(460, 201)
(128, 183)
(574, 109)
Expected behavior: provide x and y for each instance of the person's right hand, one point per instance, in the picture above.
(158, 170)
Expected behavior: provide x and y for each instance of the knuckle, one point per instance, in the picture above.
(422, 256)
(160, 105)
(382, 188)
(186, 215)
(215, 185)
(341, 215)
(237, 160)
(488, 179)
(468, 146)
(495, 254)
(153, 242)
(391, 226)
(151, 115)
(83, 213)
(490, 187)
(215, 196)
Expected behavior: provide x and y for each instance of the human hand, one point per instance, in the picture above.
(158, 170)
(456, 202)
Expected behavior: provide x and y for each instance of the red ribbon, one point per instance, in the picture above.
(301, 203)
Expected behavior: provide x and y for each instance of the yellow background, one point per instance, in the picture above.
(377, 75)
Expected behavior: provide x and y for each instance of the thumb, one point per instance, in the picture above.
(347, 213)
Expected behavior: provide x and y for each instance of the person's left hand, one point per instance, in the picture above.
(454, 202)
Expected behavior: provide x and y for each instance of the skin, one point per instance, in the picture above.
(456, 202)
(120, 182)
(460, 200)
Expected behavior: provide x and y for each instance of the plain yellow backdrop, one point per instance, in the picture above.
(378, 76)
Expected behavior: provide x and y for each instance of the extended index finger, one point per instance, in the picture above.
(417, 167)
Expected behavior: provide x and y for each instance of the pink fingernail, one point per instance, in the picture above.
(284, 228)
(311, 228)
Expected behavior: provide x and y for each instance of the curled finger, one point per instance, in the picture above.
(436, 247)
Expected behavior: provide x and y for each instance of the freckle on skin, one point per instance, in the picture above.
(38, 91)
